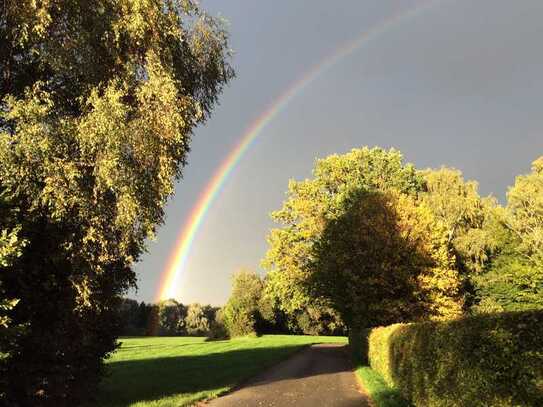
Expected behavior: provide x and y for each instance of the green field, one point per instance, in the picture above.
(176, 371)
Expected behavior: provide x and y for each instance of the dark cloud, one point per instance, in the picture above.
(458, 85)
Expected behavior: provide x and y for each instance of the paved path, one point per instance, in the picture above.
(320, 375)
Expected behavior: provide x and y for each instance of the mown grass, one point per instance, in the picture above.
(382, 394)
(164, 372)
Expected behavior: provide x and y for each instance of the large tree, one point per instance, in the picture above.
(342, 239)
(385, 260)
(98, 101)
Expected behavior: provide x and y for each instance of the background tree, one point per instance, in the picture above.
(253, 308)
(11, 247)
(98, 103)
(171, 315)
(525, 213)
(128, 316)
(198, 319)
(217, 328)
(472, 223)
(511, 283)
(458, 205)
(514, 280)
(316, 319)
(242, 311)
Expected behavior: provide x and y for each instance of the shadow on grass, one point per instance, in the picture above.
(146, 380)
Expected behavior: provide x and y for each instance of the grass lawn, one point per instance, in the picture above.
(177, 371)
(382, 394)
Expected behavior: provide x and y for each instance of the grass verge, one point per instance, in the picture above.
(381, 394)
(178, 371)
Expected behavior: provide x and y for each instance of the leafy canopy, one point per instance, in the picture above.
(98, 102)
(241, 314)
(514, 279)
(385, 260)
(525, 207)
(339, 241)
(310, 203)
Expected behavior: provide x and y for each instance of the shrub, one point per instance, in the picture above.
(217, 328)
(198, 319)
(486, 360)
(171, 318)
(241, 312)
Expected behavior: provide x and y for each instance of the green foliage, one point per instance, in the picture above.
(487, 360)
(385, 260)
(98, 101)
(253, 309)
(512, 283)
(217, 327)
(171, 316)
(525, 207)
(241, 313)
(199, 319)
(355, 238)
(472, 223)
(513, 279)
(313, 202)
(381, 394)
(11, 246)
(316, 319)
(457, 204)
(167, 318)
(129, 318)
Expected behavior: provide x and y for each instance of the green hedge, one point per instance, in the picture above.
(487, 360)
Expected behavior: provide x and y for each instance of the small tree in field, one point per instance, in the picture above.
(171, 316)
(198, 319)
(241, 313)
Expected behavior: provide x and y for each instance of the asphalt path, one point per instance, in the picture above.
(320, 375)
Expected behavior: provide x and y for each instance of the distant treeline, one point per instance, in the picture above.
(167, 318)
(248, 312)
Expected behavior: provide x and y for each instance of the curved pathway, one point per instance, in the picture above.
(320, 375)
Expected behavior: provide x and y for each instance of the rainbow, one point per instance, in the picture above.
(170, 279)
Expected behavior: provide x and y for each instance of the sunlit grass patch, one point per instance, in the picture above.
(178, 371)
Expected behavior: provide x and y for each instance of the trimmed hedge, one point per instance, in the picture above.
(487, 360)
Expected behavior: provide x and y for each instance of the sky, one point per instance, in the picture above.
(458, 83)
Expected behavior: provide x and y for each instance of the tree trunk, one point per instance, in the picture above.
(358, 342)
